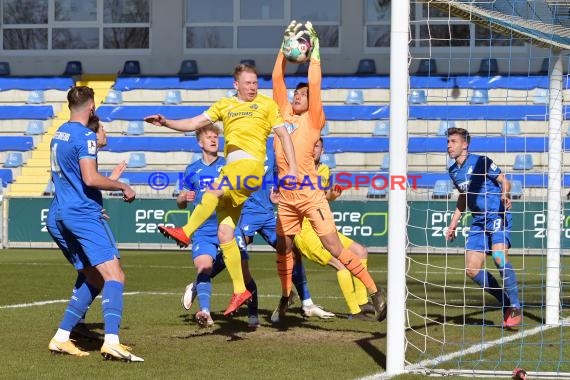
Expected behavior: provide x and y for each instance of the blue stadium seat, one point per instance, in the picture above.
(49, 191)
(250, 62)
(444, 125)
(73, 68)
(302, 68)
(290, 95)
(119, 193)
(35, 127)
(479, 96)
(354, 97)
(523, 162)
(379, 193)
(417, 97)
(381, 128)
(173, 97)
(113, 97)
(325, 131)
(231, 93)
(544, 67)
(14, 160)
(328, 159)
(541, 96)
(385, 165)
(366, 66)
(488, 67)
(195, 157)
(4, 69)
(427, 67)
(442, 189)
(135, 128)
(188, 67)
(511, 128)
(36, 97)
(516, 189)
(136, 160)
(131, 68)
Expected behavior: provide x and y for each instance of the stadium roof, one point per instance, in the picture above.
(546, 22)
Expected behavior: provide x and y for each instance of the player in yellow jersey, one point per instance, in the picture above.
(248, 119)
(309, 245)
(305, 118)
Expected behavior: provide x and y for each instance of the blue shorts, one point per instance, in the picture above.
(205, 245)
(84, 242)
(264, 224)
(493, 228)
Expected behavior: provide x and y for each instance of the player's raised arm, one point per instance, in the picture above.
(182, 125)
(93, 178)
(316, 112)
(278, 74)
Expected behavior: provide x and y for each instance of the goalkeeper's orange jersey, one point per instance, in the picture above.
(246, 124)
(305, 129)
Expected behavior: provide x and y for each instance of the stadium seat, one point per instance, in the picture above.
(4, 69)
(511, 128)
(136, 160)
(49, 191)
(379, 193)
(442, 189)
(36, 97)
(516, 189)
(355, 97)
(188, 67)
(135, 128)
(417, 97)
(35, 127)
(427, 67)
(523, 162)
(131, 68)
(250, 62)
(385, 165)
(381, 128)
(541, 96)
(479, 96)
(366, 66)
(113, 97)
(488, 67)
(14, 160)
(325, 131)
(302, 68)
(195, 157)
(544, 67)
(231, 93)
(328, 159)
(290, 95)
(444, 125)
(173, 97)
(119, 193)
(73, 68)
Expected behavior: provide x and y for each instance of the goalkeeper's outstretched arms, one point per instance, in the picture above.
(278, 74)
(182, 125)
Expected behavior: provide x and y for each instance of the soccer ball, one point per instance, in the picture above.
(298, 49)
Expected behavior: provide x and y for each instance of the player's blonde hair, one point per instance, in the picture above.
(244, 67)
(207, 128)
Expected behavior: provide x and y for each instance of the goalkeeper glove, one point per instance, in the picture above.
(291, 31)
(315, 54)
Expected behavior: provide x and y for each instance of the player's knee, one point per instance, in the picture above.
(500, 258)
(359, 250)
(225, 235)
(471, 272)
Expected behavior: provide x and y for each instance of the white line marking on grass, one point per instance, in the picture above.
(430, 363)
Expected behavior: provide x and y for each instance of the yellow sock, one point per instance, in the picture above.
(359, 289)
(232, 259)
(345, 281)
(201, 213)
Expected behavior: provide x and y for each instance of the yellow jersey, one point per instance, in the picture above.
(247, 125)
(324, 174)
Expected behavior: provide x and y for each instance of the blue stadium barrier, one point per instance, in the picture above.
(17, 143)
(345, 112)
(36, 83)
(26, 112)
(6, 177)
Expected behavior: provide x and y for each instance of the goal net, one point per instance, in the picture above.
(497, 69)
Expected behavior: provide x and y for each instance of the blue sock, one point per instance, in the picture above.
(252, 305)
(488, 282)
(112, 306)
(83, 295)
(511, 286)
(300, 280)
(204, 290)
(219, 265)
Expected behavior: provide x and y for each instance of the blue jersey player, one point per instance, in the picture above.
(205, 246)
(485, 190)
(76, 222)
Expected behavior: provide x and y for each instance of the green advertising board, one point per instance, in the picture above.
(364, 221)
